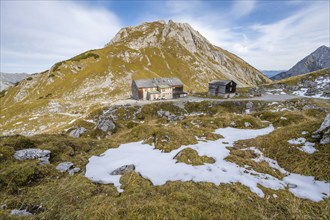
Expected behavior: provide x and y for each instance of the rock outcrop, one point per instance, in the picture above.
(123, 169)
(32, 154)
(323, 133)
(105, 125)
(77, 132)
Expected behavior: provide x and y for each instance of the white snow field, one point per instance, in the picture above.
(160, 167)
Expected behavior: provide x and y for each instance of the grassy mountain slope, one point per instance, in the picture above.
(294, 80)
(48, 101)
(49, 194)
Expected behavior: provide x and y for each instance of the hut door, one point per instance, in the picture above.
(216, 90)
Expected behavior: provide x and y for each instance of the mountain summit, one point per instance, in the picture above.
(319, 59)
(75, 87)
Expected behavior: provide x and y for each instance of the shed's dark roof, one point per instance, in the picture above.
(149, 83)
(221, 82)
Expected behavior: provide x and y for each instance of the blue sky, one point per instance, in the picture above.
(270, 35)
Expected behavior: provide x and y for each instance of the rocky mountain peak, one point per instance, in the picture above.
(152, 34)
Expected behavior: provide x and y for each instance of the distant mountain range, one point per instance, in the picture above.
(270, 73)
(319, 59)
(9, 79)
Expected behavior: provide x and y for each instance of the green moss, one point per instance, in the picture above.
(85, 56)
(6, 153)
(190, 156)
(279, 119)
(20, 174)
(17, 142)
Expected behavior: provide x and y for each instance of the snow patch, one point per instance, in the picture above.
(306, 146)
(160, 167)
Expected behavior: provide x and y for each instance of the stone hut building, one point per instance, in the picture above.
(157, 89)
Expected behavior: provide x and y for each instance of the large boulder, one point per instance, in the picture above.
(323, 133)
(32, 154)
(123, 169)
(77, 132)
(106, 125)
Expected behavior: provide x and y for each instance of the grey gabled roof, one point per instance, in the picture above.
(150, 83)
(221, 82)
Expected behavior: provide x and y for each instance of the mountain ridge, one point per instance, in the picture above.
(317, 60)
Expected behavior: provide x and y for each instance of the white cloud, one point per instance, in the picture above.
(283, 43)
(36, 34)
(273, 45)
(242, 8)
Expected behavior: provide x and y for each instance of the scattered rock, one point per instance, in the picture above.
(123, 169)
(233, 124)
(18, 212)
(247, 124)
(224, 142)
(311, 107)
(169, 116)
(311, 91)
(283, 118)
(106, 125)
(77, 132)
(309, 84)
(74, 170)
(256, 92)
(64, 167)
(32, 154)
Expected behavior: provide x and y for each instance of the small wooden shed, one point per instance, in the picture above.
(225, 88)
